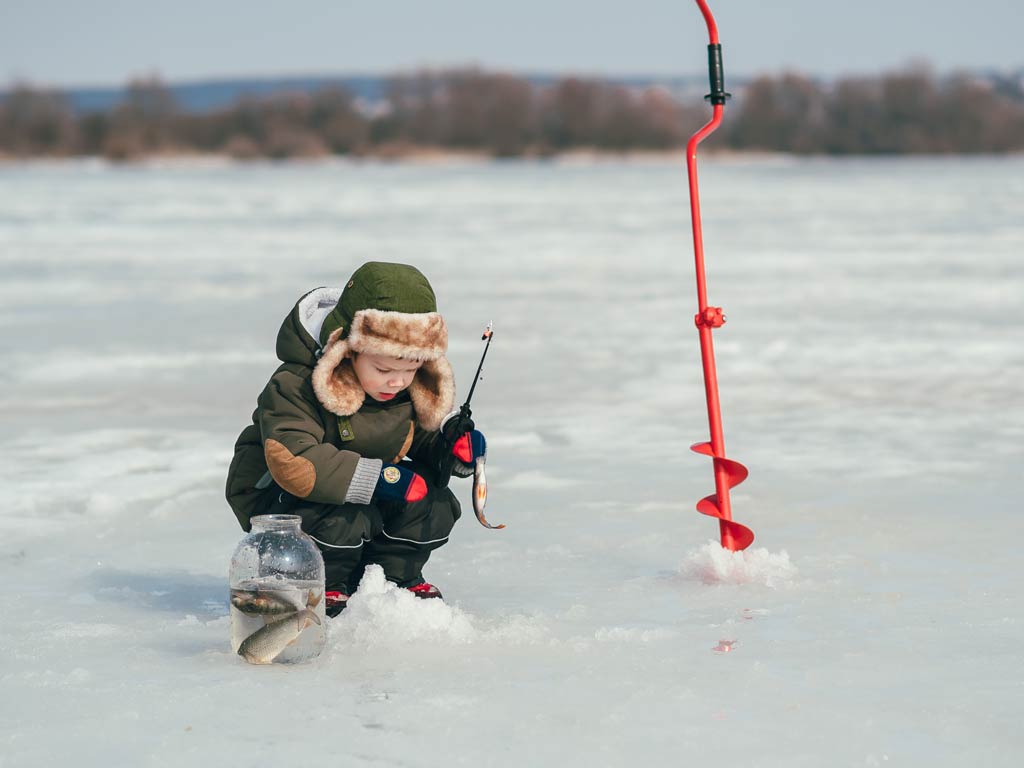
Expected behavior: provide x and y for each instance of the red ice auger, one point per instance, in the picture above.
(728, 473)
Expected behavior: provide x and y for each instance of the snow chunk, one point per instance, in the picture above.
(714, 564)
(381, 613)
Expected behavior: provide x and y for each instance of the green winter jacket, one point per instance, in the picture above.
(312, 450)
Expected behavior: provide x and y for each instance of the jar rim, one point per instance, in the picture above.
(275, 520)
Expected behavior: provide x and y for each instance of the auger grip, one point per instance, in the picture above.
(716, 75)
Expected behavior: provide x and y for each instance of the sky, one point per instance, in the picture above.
(105, 42)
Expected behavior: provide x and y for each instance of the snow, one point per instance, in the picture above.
(380, 615)
(713, 564)
(869, 374)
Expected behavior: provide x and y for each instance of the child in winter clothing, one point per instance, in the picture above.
(351, 433)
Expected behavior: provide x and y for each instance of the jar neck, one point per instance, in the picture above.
(276, 523)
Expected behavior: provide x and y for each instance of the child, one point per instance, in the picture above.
(350, 432)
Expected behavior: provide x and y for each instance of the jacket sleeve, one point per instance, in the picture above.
(293, 445)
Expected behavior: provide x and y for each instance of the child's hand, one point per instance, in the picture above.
(455, 426)
(399, 484)
(467, 449)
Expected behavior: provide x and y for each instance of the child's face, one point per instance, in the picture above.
(384, 377)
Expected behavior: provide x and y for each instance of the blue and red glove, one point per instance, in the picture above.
(397, 483)
(455, 425)
(467, 449)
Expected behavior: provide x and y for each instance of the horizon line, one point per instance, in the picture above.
(186, 80)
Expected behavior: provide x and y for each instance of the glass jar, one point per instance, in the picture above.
(277, 593)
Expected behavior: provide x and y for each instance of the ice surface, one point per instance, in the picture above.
(870, 376)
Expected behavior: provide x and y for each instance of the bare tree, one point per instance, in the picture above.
(785, 115)
(37, 122)
(145, 122)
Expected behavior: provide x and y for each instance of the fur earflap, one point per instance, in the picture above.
(334, 381)
(433, 393)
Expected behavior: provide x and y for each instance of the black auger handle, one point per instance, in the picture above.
(716, 75)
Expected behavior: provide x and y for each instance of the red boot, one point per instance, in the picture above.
(425, 590)
(334, 602)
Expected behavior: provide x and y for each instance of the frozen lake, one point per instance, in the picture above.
(870, 376)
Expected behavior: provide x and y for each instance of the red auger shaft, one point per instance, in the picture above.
(728, 473)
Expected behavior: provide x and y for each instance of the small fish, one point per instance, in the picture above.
(266, 644)
(263, 603)
(270, 603)
(480, 494)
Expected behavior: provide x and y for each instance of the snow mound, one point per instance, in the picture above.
(381, 614)
(714, 564)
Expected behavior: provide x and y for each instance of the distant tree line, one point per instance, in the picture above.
(909, 112)
(502, 115)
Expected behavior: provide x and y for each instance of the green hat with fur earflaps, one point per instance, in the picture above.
(386, 309)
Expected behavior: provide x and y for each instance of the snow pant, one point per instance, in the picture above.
(398, 536)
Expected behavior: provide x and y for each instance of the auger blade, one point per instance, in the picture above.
(740, 536)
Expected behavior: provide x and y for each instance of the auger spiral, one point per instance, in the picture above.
(728, 473)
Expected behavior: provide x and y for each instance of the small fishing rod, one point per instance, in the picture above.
(465, 424)
(488, 335)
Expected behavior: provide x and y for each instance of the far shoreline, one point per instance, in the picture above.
(452, 158)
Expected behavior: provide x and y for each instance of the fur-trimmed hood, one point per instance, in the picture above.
(416, 336)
